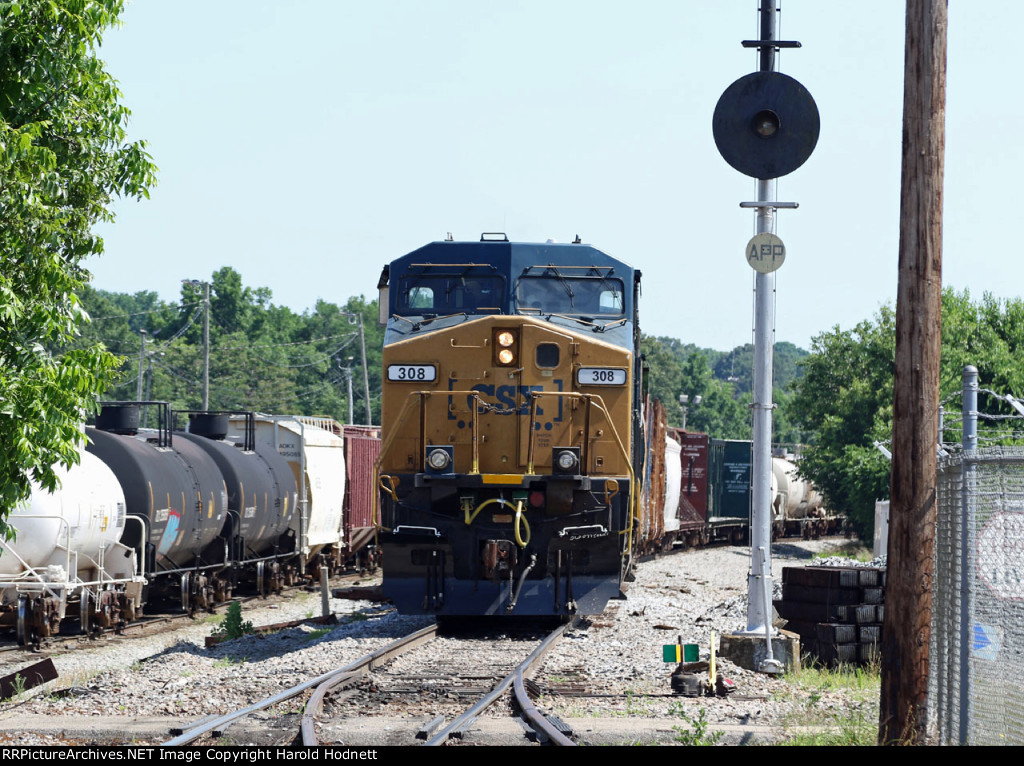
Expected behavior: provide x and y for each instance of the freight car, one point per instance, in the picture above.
(798, 508)
(67, 550)
(510, 430)
(699, 491)
(156, 514)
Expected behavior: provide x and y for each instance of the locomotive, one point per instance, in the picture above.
(511, 435)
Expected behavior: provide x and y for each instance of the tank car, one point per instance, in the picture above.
(507, 473)
(797, 506)
(262, 500)
(177, 493)
(66, 559)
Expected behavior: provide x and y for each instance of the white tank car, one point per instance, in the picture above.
(795, 498)
(315, 450)
(66, 549)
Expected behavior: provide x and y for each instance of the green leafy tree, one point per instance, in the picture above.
(63, 157)
(846, 392)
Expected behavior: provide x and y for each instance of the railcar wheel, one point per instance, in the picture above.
(23, 628)
(85, 612)
(261, 574)
(186, 601)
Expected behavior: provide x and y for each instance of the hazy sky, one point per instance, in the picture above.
(307, 143)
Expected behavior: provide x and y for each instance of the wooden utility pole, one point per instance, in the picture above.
(906, 632)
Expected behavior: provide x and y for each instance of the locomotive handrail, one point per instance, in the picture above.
(599, 403)
(589, 400)
(384, 449)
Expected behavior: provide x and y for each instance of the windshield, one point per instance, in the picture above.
(447, 294)
(557, 294)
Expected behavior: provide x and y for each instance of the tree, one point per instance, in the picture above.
(63, 157)
(846, 392)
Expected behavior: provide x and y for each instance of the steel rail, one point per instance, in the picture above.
(535, 718)
(495, 694)
(361, 665)
(351, 673)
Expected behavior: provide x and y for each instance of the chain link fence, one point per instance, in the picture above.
(976, 668)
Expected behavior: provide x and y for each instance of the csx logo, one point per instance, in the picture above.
(501, 400)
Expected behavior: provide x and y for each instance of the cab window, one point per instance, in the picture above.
(441, 294)
(582, 296)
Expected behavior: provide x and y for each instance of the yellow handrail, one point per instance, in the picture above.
(595, 399)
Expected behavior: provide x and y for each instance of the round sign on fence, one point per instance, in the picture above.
(1001, 555)
(765, 252)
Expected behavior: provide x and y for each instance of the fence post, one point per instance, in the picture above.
(970, 446)
(970, 407)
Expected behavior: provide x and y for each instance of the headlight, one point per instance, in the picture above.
(505, 353)
(566, 460)
(438, 459)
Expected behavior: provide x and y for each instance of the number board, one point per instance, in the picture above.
(601, 376)
(412, 373)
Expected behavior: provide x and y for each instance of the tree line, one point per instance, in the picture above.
(269, 358)
(846, 393)
(834, 402)
(262, 356)
(723, 380)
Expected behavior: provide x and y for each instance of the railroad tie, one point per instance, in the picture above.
(429, 728)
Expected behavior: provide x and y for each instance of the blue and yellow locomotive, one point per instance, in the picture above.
(508, 471)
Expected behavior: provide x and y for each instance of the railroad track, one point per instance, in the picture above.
(169, 618)
(457, 691)
(482, 668)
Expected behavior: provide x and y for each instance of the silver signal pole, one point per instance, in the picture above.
(758, 616)
(759, 581)
(765, 125)
(206, 346)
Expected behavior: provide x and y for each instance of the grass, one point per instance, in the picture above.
(851, 549)
(227, 662)
(816, 724)
(696, 732)
(315, 634)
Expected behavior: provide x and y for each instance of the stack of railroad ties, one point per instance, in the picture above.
(837, 611)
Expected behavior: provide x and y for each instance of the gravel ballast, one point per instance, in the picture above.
(136, 689)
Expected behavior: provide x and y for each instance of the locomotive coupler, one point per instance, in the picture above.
(498, 559)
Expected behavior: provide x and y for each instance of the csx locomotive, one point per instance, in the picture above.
(511, 444)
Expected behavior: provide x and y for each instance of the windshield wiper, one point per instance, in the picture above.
(565, 284)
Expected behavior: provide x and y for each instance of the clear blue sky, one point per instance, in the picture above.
(305, 144)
